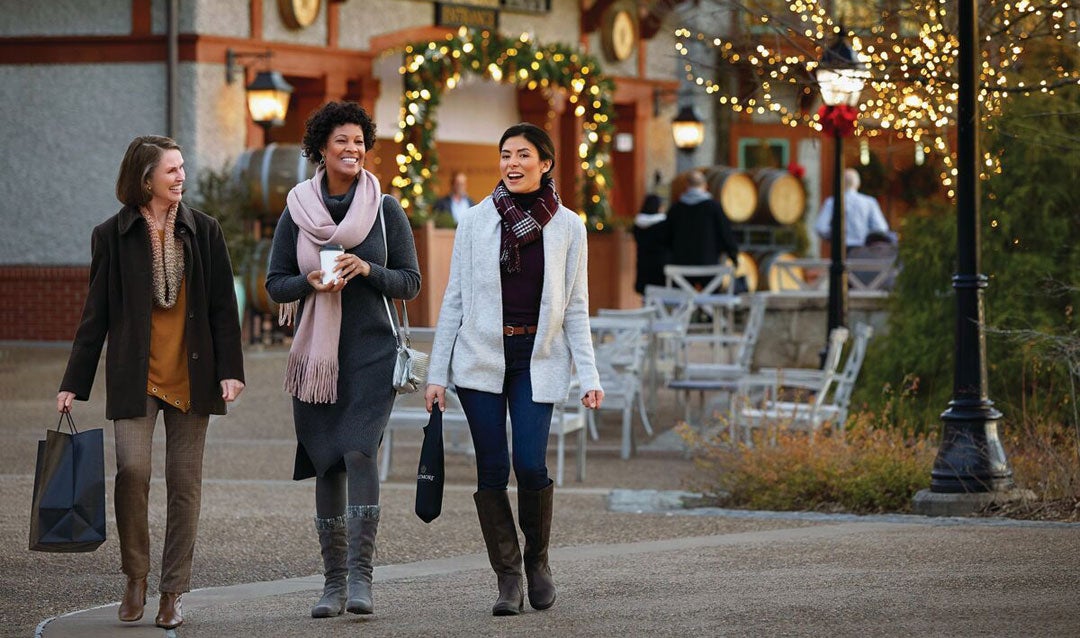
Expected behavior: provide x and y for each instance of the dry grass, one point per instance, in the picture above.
(875, 469)
(867, 471)
(1045, 458)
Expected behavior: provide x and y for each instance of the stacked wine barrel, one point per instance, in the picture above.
(270, 173)
(781, 201)
(762, 196)
(255, 279)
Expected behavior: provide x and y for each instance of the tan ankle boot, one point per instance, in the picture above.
(131, 606)
(169, 615)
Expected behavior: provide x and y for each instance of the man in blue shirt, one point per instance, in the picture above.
(862, 214)
(457, 201)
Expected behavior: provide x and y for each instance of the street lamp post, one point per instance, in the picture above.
(840, 77)
(267, 95)
(971, 459)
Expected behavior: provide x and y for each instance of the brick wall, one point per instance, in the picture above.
(41, 303)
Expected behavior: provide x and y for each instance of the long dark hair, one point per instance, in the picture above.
(536, 136)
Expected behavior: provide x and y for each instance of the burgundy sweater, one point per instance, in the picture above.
(521, 290)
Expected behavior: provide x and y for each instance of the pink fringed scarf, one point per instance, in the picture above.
(312, 371)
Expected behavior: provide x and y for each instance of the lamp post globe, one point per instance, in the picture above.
(840, 76)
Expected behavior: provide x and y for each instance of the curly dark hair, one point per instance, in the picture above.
(331, 115)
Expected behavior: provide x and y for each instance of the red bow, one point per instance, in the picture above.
(838, 120)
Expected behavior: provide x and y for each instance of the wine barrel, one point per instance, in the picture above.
(747, 267)
(735, 191)
(781, 198)
(255, 279)
(270, 173)
(773, 278)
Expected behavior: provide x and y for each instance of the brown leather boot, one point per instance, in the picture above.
(131, 606)
(169, 615)
(504, 552)
(534, 516)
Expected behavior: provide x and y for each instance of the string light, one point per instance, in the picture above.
(428, 69)
(914, 87)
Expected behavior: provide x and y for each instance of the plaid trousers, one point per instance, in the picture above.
(185, 438)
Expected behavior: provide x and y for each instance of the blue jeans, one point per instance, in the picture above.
(530, 424)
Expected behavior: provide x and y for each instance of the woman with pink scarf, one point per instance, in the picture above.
(342, 356)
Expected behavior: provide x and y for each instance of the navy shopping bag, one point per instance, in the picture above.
(68, 509)
(429, 473)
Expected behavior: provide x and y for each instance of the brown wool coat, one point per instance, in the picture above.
(119, 304)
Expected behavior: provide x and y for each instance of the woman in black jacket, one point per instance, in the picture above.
(161, 290)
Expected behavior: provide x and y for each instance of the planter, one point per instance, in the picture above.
(434, 247)
(612, 267)
(612, 263)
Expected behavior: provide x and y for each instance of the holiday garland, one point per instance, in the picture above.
(431, 68)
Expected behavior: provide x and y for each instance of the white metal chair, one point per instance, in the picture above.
(715, 296)
(620, 346)
(719, 377)
(673, 309)
(761, 401)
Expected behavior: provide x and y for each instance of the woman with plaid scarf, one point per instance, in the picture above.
(514, 319)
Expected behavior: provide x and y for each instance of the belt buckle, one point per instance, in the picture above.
(508, 331)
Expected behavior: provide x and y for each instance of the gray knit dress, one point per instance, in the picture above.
(326, 431)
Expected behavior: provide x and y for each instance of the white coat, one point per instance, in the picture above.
(468, 346)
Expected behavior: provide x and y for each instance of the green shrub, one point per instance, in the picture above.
(1030, 243)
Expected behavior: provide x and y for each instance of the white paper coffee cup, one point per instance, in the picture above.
(328, 255)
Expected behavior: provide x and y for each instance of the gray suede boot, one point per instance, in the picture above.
(534, 516)
(500, 536)
(362, 522)
(335, 553)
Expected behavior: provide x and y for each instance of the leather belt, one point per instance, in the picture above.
(513, 331)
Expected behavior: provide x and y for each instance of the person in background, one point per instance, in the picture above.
(650, 232)
(698, 231)
(882, 247)
(862, 214)
(514, 318)
(341, 363)
(161, 290)
(457, 201)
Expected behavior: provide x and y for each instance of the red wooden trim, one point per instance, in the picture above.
(398, 39)
(333, 24)
(256, 17)
(294, 59)
(141, 14)
(82, 49)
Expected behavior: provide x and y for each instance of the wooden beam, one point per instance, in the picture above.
(591, 17)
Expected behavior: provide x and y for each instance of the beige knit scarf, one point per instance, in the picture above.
(167, 258)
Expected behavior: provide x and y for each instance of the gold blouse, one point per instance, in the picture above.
(168, 378)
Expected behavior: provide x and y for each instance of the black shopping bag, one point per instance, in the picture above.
(429, 474)
(68, 511)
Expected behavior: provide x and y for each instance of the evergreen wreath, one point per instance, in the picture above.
(428, 69)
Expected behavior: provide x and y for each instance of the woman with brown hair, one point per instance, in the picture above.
(161, 289)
